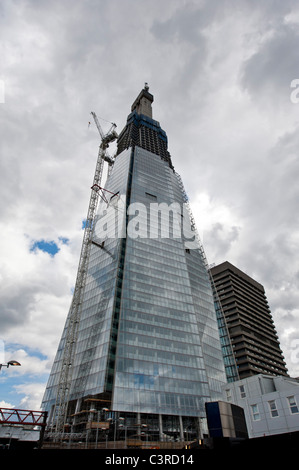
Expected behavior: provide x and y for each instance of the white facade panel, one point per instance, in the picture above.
(271, 404)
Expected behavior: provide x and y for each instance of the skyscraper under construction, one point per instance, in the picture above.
(141, 347)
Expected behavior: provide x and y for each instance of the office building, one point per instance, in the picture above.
(147, 352)
(249, 322)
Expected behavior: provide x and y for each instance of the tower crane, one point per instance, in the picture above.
(71, 334)
(106, 138)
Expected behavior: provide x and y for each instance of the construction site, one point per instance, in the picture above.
(84, 405)
(91, 429)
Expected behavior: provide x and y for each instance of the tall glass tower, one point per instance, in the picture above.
(147, 352)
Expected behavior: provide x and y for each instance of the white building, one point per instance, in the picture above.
(270, 403)
(19, 433)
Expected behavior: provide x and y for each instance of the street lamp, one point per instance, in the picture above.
(115, 425)
(10, 363)
(99, 414)
(125, 427)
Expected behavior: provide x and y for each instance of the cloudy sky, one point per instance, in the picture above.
(221, 73)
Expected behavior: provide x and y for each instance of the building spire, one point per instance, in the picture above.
(143, 102)
(142, 130)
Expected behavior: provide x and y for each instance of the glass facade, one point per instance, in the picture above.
(92, 348)
(168, 352)
(148, 341)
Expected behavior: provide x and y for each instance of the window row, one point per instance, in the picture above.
(149, 315)
(165, 289)
(166, 357)
(273, 409)
(146, 382)
(149, 368)
(167, 331)
(163, 344)
(160, 401)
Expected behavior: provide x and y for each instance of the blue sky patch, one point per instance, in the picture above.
(64, 240)
(48, 247)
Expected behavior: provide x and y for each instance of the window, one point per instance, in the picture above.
(228, 394)
(292, 404)
(255, 412)
(242, 391)
(273, 408)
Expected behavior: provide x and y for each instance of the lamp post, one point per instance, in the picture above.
(10, 363)
(100, 414)
(125, 427)
(116, 420)
(97, 431)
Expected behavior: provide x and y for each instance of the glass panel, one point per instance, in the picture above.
(255, 412)
(292, 404)
(273, 409)
(167, 312)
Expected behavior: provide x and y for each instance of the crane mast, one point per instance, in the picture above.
(71, 336)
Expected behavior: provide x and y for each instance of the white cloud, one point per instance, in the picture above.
(221, 79)
(33, 393)
(5, 404)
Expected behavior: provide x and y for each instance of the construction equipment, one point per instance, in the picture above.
(64, 384)
(107, 138)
